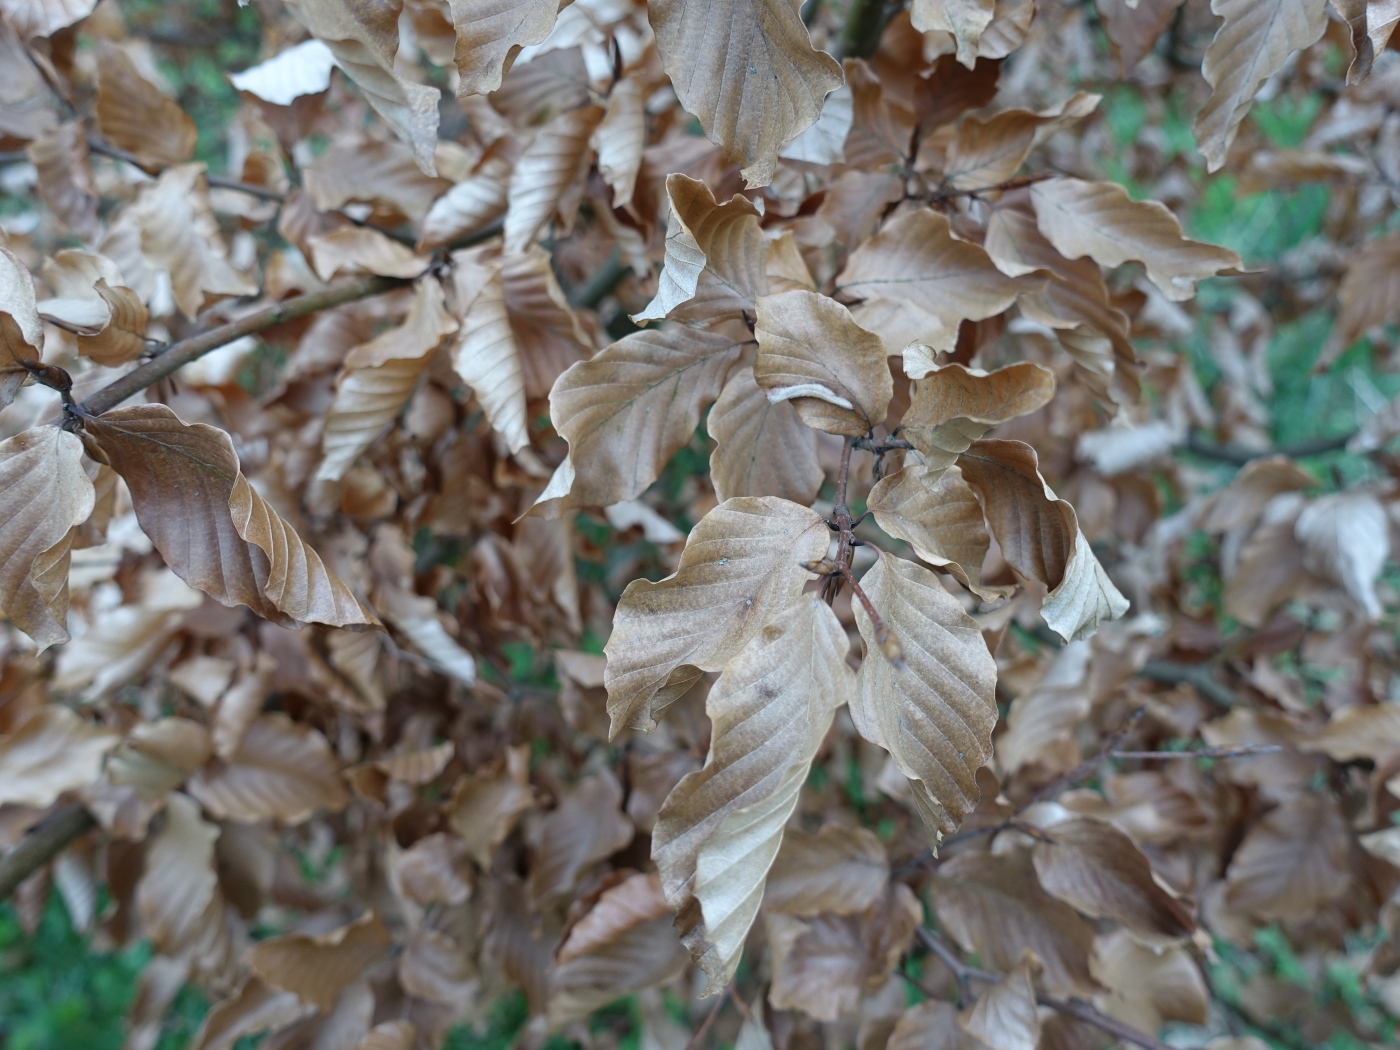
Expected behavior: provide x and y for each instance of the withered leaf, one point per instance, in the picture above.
(490, 33)
(748, 71)
(156, 757)
(938, 517)
(840, 870)
(253, 1008)
(1100, 220)
(47, 495)
(31, 18)
(316, 968)
(1293, 861)
(486, 804)
(953, 406)
(1147, 987)
(432, 967)
(964, 19)
(761, 448)
(50, 752)
(21, 333)
(133, 115)
(1369, 290)
(932, 1025)
(1004, 1016)
(721, 827)
(984, 154)
(435, 870)
(210, 525)
(179, 886)
(620, 138)
(544, 170)
(1133, 28)
(627, 411)
(470, 206)
(742, 566)
(1346, 539)
(935, 714)
(282, 770)
(1096, 868)
(811, 352)
(586, 827)
(66, 185)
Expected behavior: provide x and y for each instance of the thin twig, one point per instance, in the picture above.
(1016, 183)
(1087, 768)
(1076, 1008)
(709, 1019)
(886, 639)
(1245, 751)
(227, 182)
(1198, 675)
(1240, 456)
(41, 844)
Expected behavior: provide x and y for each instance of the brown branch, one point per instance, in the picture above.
(41, 844)
(196, 346)
(1198, 675)
(1240, 456)
(1246, 751)
(1076, 1008)
(226, 182)
(709, 1019)
(1019, 182)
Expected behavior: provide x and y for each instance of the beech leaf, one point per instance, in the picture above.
(490, 33)
(953, 406)
(317, 968)
(939, 517)
(50, 752)
(762, 448)
(545, 169)
(134, 116)
(840, 870)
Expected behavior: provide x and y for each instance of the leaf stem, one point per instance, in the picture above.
(41, 844)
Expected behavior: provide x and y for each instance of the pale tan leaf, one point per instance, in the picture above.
(31, 18)
(209, 524)
(1346, 539)
(811, 352)
(178, 886)
(180, 235)
(1243, 500)
(1251, 46)
(964, 19)
(47, 495)
(953, 406)
(302, 69)
(380, 376)
(828, 964)
(916, 258)
(586, 827)
(742, 566)
(391, 1035)
(630, 408)
(1004, 1016)
(252, 1009)
(1270, 568)
(1097, 869)
(418, 619)
(825, 141)
(352, 248)
(50, 752)
(1360, 731)
(21, 332)
(124, 337)
(383, 173)
(1040, 537)
(932, 1025)
(939, 518)
(1133, 28)
(1100, 220)
(486, 804)
(1370, 290)
(1293, 861)
(840, 870)
(490, 33)
(316, 968)
(994, 906)
(60, 156)
(133, 115)
(484, 353)
(470, 206)
(715, 254)
(620, 137)
(281, 771)
(418, 767)
(548, 165)
(934, 714)
(1148, 987)
(364, 38)
(72, 276)
(722, 826)
(548, 334)
(156, 757)
(762, 448)
(435, 870)
(635, 900)
(748, 71)
(432, 967)
(984, 154)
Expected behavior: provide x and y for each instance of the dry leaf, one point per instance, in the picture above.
(742, 566)
(932, 1025)
(964, 19)
(1004, 1016)
(840, 870)
(486, 804)
(490, 33)
(748, 71)
(1147, 987)
(762, 447)
(302, 69)
(50, 752)
(812, 353)
(938, 517)
(1293, 861)
(133, 115)
(953, 406)
(470, 206)
(1133, 28)
(317, 968)
(620, 138)
(21, 333)
(545, 169)
(588, 826)
(1346, 539)
(60, 156)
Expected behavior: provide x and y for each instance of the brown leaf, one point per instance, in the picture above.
(1004, 1016)
(435, 870)
(372, 173)
(985, 154)
(1133, 28)
(432, 967)
(358, 248)
(484, 353)
(761, 448)
(316, 968)
(470, 206)
(1242, 501)
(953, 406)
(547, 332)
(1360, 731)
(1251, 46)
(1040, 537)
(932, 1025)
(209, 524)
(31, 18)
(21, 333)
(721, 827)
(282, 771)
(1097, 869)
(748, 71)
(1369, 290)
(993, 905)
(714, 254)
(1270, 568)
(547, 166)
(490, 33)
(365, 40)
(934, 714)
(939, 518)
(1293, 861)
(60, 155)
(156, 757)
(812, 353)
(50, 752)
(1346, 539)
(486, 805)
(588, 826)
(620, 138)
(1100, 220)
(179, 888)
(840, 870)
(1147, 987)
(826, 965)
(965, 20)
(916, 258)
(742, 565)
(47, 495)
(380, 376)
(391, 1035)
(133, 115)
(252, 1009)
(629, 409)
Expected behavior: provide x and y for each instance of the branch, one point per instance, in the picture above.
(1240, 456)
(196, 346)
(96, 145)
(1198, 675)
(1076, 1008)
(41, 844)
(1016, 183)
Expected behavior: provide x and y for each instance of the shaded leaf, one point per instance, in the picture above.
(964, 19)
(839, 870)
(939, 518)
(50, 752)
(486, 804)
(490, 33)
(133, 115)
(317, 968)
(21, 333)
(586, 827)
(1293, 861)
(1346, 539)
(551, 161)
(953, 406)
(1004, 1016)
(761, 448)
